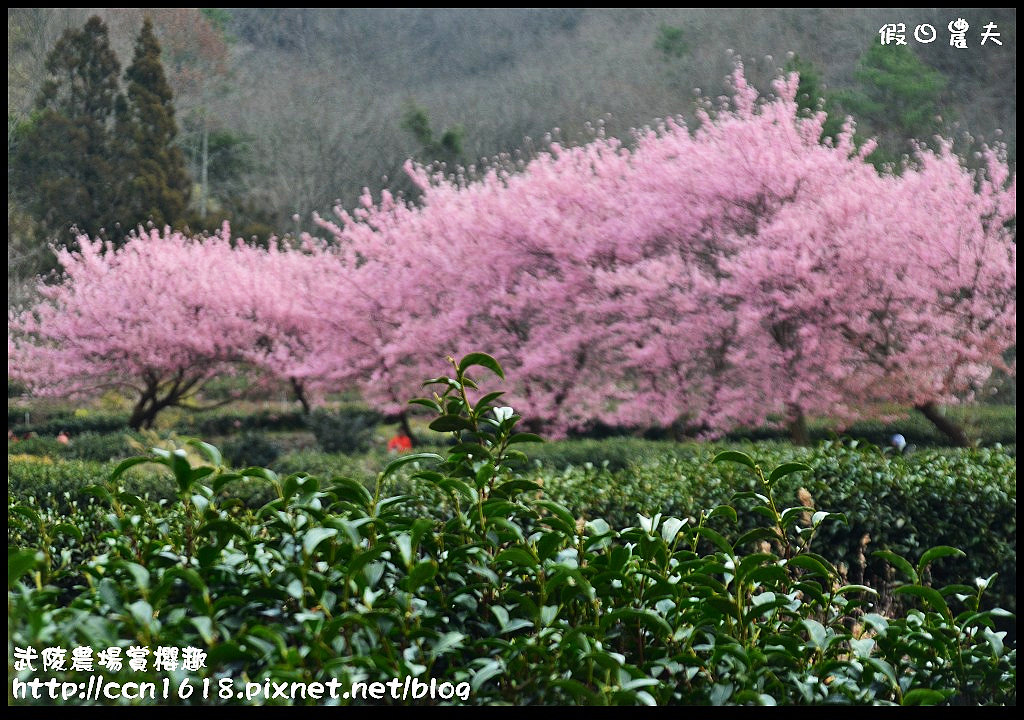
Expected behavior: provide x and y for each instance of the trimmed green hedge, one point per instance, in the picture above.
(963, 498)
(216, 423)
(346, 430)
(69, 421)
(228, 422)
(512, 597)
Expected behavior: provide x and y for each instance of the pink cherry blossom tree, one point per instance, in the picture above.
(724, 275)
(157, 318)
(731, 273)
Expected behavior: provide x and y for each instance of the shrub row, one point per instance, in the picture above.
(963, 498)
(73, 422)
(206, 424)
(349, 429)
(346, 430)
(986, 424)
(226, 422)
(510, 595)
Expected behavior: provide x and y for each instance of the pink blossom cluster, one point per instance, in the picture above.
(717, 275)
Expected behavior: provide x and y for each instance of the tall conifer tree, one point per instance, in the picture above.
(64, 166)
(158, 185)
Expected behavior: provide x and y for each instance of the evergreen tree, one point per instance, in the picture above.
(64, 168)
(812, 95)
(447, 149)
(157, 184)
(898, 99)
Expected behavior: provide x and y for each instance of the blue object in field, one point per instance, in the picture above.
(898, 441)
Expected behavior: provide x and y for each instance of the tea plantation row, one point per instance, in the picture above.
(963, 498)
(666, 578)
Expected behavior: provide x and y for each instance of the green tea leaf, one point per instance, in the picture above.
(27, 512)
(450, 423)
(125, 464)
(20, 562)
(446, 643)
(723, 511)
(205, 627)
(757, 535)
(142, 612)
(315, 536)
(649, 619)
(929, 595)
(422, 573)
(924, 696)
(735, 457)
(223, 479)
(939, 551)
(715, 537)
(226, 528)
(816, 631)
(259, 472)
(406, 459)
(788, 469)
(519, 557)
(178, 462)
(483, 360)
(427, 403)
(524, 437)
(488, 670)
(883, 667)
(813, 564)
(898, 562)
(487, 399)
(212, 453)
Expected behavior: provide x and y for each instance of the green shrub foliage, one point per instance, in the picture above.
(348, 430)
(250, 448)
(508, 591)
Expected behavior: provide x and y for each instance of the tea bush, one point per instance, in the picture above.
(964, 498)
(511, 593)
(42, 446)
(250, 448)
(70, 421)
(613, 454)
(58, 484)
(99, 447)
(985, 424)
(347, 430)
(228, 422)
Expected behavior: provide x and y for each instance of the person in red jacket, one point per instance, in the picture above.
(399, 443)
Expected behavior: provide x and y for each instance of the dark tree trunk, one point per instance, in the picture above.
(956, 434)
(798, 426)
(144, 413)
(138, 416)
(150, 403)
(403, 422)
(300, 394)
